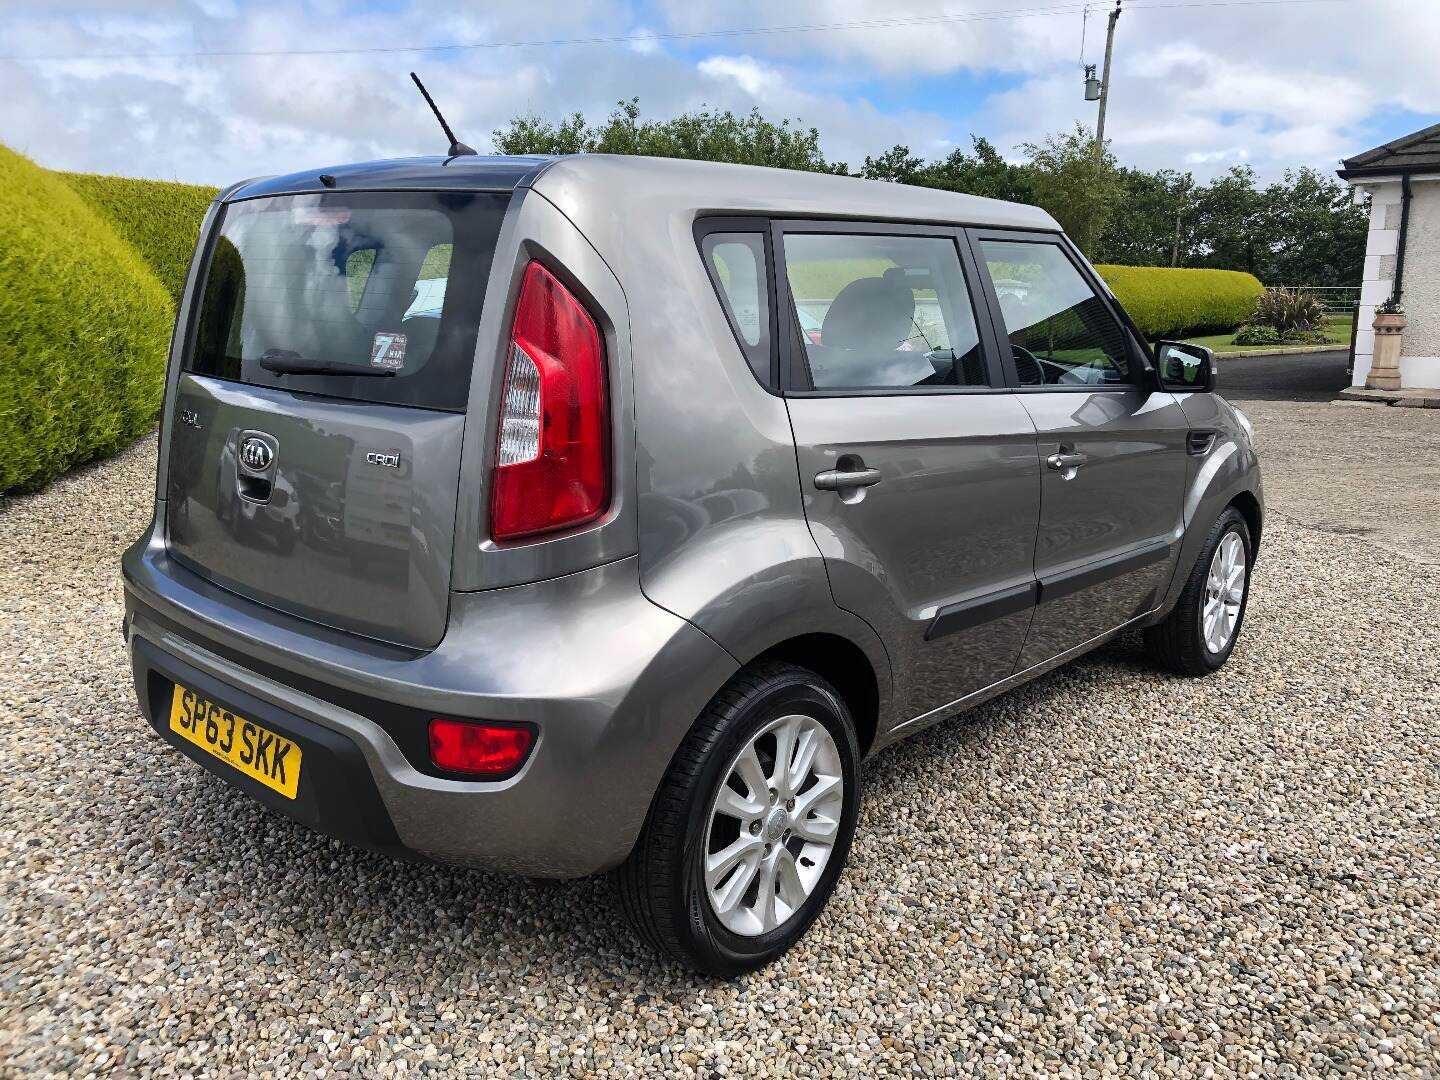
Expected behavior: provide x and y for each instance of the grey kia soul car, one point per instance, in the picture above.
(559, 516)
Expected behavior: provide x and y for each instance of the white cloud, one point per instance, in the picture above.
(755, 78)
(644, 42)
(1275, 86)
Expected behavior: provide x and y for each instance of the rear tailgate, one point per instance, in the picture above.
(344, 537)
(315, 450)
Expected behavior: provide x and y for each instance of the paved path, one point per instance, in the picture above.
(1345, 468)
(1297, 377)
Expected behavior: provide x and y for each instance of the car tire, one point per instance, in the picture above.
(663, 890)
(1184, 643)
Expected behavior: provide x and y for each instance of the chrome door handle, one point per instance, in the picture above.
(841, 479)
(1064, 460)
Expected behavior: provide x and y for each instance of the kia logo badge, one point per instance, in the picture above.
(256, 454)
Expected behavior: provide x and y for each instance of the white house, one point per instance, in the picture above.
(1402, 254)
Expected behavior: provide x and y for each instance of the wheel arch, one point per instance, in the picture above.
(1250, 510)
(844, 665)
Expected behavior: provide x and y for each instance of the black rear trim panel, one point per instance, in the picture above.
(336, 796)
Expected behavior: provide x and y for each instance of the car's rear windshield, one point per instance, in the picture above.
(303, 290)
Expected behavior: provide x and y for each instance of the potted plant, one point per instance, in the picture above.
(1389, 324)
(1392, 310)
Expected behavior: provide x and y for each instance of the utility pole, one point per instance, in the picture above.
(1105, 83)
(1182, 196)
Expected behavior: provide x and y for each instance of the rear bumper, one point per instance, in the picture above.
(612, 682)
(336, 794)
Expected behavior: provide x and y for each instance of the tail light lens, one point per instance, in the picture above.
(552, 458)
(479, 749)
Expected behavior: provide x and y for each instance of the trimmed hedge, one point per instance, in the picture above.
(1166, 300)
(84, 328)
(159, 219)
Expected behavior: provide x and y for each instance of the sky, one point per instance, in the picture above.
(115, 86)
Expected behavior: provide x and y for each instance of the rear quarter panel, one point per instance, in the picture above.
(722, 536)
(534, 229)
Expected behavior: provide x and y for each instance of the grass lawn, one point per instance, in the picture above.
(1337, 332)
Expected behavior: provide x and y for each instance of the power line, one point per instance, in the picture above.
(629, 39)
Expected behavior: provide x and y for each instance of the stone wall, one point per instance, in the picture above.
(1422, 275)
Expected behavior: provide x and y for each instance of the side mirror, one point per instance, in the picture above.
(1185, 368)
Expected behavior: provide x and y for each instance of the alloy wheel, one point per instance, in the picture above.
(1224, 593)
(773, 824)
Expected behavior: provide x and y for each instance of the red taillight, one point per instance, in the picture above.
(552, 461)
(464, 746)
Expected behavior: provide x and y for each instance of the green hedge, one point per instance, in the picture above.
(84, 327)
(1164, 300)
(159, 219)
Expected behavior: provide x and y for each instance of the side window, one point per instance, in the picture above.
(427, 299)
(882, 312)
(1060, 331)
(736, 262)
(358, 265)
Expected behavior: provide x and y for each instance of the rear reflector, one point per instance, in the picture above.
(552, 450)
(478, 749)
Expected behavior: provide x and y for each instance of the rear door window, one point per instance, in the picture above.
(878, 312)
(365, 296)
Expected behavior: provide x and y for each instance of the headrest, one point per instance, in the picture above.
(869, 314)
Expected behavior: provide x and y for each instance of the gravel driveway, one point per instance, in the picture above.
(1343, 467)
(1106, 872)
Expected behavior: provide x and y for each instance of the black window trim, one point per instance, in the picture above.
(1142, 375)
(795, 379)
(707, 225)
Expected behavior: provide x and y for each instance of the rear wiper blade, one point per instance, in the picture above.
(285, 362)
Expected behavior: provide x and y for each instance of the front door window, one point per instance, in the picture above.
(1060, 331)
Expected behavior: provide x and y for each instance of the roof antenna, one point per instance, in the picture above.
(457, 148)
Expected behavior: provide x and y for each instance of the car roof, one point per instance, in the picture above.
(703, 185)
(708, 186)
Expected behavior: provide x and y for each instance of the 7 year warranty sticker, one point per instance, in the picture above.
(388, 351)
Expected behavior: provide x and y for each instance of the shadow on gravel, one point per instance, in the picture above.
(308, 899)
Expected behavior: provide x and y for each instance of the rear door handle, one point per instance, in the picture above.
(841, 479)
(1066, 461)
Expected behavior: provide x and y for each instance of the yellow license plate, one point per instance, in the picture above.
(242, 744)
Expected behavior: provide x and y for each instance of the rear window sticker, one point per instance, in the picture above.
(388, 350)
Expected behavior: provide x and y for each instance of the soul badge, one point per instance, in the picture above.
(388, 351)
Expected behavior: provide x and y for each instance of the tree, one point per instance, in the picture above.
(1318, 231)
(1079, 187)
(1233, 228)
(1302, 230)
(985, 173)
(1143, 231)
(896, 166)
(982, 172)
(705, 134)
(533, 135)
